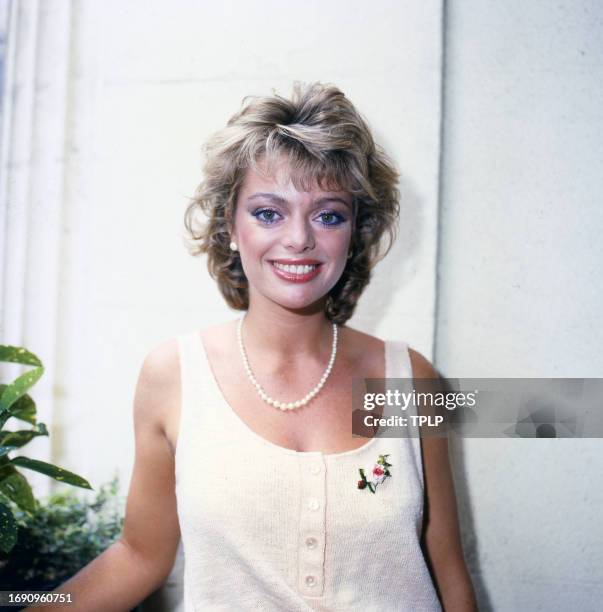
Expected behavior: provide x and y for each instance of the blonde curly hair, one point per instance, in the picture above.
(325, 142)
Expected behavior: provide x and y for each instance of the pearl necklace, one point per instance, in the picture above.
(264, 396)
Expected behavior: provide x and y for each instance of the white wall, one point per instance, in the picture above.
(519, 283)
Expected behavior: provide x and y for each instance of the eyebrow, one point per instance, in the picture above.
(280, 200)
(268, 196)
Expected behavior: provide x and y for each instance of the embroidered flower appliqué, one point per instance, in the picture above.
(378, 473)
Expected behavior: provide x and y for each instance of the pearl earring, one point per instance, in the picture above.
(233, 246)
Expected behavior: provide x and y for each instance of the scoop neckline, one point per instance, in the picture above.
(217, 391)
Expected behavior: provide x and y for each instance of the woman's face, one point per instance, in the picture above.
(293, 244)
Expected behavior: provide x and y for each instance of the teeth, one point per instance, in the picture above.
(298, 270)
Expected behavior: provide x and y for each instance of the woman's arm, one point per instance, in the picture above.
(139, 562)
(441, 533)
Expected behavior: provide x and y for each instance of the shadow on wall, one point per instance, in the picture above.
(401, 263)
(470, 543)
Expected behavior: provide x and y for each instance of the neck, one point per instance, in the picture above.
(282, 332)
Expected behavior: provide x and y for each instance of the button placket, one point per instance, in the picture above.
(311, 546)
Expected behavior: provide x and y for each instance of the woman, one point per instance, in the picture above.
(243, 440)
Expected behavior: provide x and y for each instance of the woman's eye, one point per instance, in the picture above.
(266, 215)
(330, 218)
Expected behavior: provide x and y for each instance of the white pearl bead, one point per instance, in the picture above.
(264, 396)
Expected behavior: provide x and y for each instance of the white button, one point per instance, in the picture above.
(310, 580)
(313, 504)
(315, 469)
(311, 542)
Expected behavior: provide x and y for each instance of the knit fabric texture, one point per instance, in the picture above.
(269, 528)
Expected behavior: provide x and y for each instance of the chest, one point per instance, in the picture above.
(324, 424)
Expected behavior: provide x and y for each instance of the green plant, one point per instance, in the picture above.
(61, 536)
(15, 491)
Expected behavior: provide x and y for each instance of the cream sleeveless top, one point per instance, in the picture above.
(269, 528)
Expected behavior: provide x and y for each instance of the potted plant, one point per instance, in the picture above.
(64, 533)
(17, 404)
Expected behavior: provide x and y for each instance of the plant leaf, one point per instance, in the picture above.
(15, 486)
(24, 409)
(19, 387)
(52, 470)
(6, 449)
(8, 529)
(23, 436)
(17, 354)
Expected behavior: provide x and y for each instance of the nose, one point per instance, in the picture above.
(299, 236)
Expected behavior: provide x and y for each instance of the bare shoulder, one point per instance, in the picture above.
(362, 353)
(161, 366)
(421, 366)
(360, 342)
(158, 388)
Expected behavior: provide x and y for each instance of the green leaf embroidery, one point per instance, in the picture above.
(372, 486)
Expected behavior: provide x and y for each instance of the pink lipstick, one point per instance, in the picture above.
(296, 270)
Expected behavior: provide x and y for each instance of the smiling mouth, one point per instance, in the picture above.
(295, 269)
(296, 272)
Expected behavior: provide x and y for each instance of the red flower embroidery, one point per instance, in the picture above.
(379, 473)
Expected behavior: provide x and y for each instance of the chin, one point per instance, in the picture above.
(301, 304)
(305, 298)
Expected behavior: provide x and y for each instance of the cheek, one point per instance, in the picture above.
(337, 244)
(251, 239)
